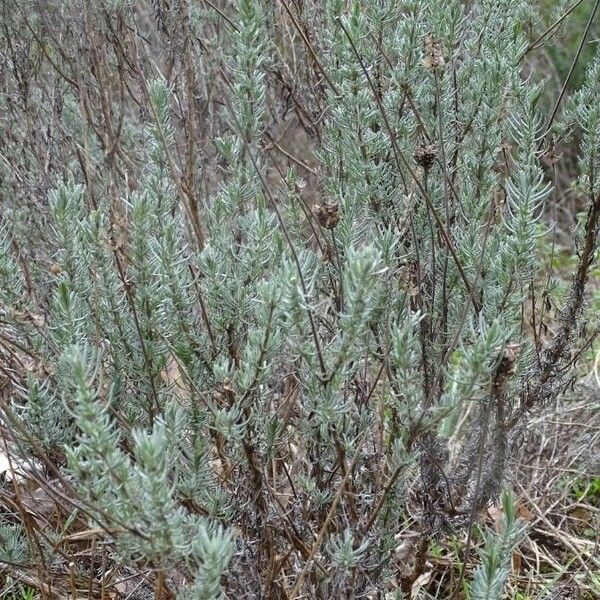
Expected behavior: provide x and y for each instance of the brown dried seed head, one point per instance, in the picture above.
(228, 386)
(433, 54)
(425, 155)
(552, 155)
(408, 279)
(327, 215)
(328, 253)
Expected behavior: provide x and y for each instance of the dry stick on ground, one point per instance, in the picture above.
(557, 457)
(568, 541)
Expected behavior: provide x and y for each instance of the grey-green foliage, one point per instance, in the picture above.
(490, 576)
(234, 359)
(585, 113)
(13, 544)
(137, 492)
(9, 272)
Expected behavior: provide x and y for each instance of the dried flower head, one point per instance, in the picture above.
(433, 54)
(552, 155)
(327, 215)
(425, 155)
(328, 253)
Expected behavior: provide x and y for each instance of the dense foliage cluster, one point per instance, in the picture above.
(272, 311)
